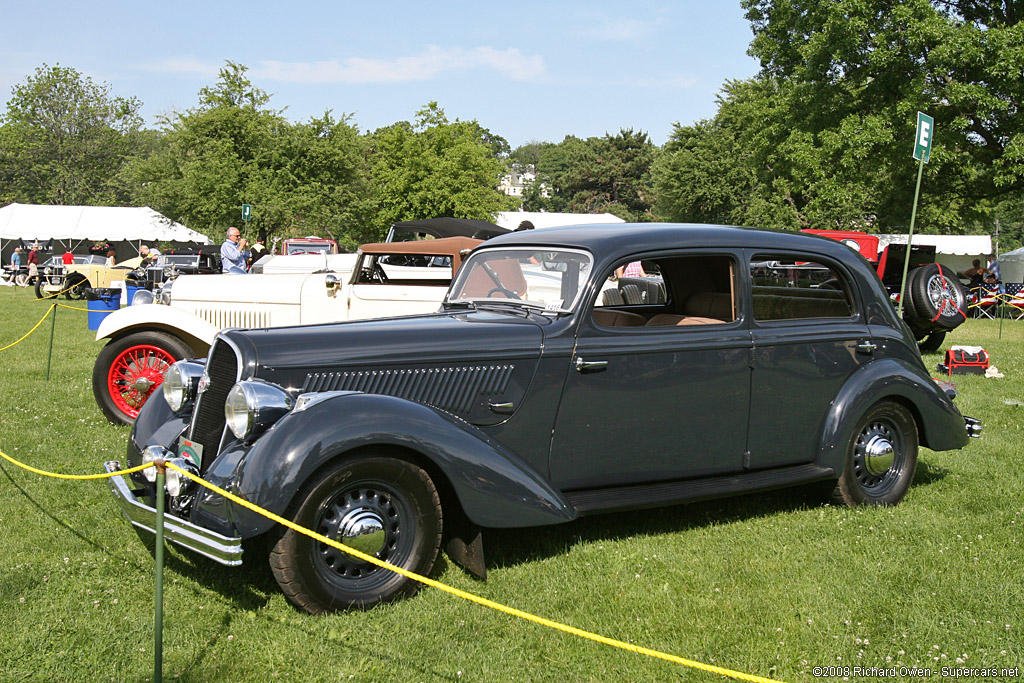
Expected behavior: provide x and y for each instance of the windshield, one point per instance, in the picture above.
(548, 279)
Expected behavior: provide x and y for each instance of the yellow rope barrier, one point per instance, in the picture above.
(72, 308)
(57, 475)
(484, 602)
(475, 598)
(34, 328)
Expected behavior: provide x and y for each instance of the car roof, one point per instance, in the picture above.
(613, 239)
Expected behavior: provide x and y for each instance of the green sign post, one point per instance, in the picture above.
(922, 152)
(246, 212)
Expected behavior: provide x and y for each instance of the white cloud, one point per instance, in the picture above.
(511, 63)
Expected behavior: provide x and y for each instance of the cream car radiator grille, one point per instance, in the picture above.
(454, 389)
(227, 317)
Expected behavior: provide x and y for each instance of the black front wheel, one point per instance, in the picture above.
(386, 508)
(881, 458)
(74, 286)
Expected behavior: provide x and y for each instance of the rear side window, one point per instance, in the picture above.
(789, 288)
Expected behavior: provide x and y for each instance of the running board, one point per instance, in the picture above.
(691, 490)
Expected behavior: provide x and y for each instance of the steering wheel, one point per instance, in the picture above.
(507, 292)
(378, 273)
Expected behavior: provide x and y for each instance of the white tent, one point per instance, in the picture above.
(544, 219)
(1011, 265)
(953, 251)
(73, 225)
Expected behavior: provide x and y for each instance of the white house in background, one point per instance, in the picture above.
(518, 178)
(545, 219)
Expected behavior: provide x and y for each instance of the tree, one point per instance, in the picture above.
(64, 140)
(434, 167)
(597, 175)
(854, 73)
(306, 178)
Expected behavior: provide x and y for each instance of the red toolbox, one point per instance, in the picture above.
(965, 360)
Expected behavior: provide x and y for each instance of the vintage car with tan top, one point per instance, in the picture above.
(381, 280)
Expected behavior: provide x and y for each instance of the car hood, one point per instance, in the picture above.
(460, 362)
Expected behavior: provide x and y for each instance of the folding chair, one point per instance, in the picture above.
(1013, 297)
(985, 300)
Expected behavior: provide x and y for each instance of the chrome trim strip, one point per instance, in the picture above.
(223, 549)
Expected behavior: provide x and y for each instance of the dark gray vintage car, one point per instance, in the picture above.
(570, 371)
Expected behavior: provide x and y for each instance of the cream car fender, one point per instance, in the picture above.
(180, 323)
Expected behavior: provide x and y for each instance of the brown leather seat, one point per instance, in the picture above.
(609, 317)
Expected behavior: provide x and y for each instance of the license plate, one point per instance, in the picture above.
(191, 451)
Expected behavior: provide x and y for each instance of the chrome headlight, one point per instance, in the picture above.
(149, 454)
(163, 293)
(180, 382)
(253, 406)
(143, 296)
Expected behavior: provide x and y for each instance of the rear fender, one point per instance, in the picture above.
(493, 485)
(940, 424)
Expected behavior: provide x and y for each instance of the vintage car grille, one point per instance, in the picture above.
(208, 419)
(233, 317)
(454, 389)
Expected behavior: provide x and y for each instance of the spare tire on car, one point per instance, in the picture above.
(939, 300)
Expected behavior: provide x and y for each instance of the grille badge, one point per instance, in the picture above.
(204, 383)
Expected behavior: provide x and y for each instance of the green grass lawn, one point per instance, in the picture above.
(772, 585)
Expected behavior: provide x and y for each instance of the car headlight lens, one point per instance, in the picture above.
(143, 296)
(163, 294)
(149, 454)
(180, 382)
(252, 406)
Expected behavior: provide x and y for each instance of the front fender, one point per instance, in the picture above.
(940, 424)
(156, 316)
(494, 486)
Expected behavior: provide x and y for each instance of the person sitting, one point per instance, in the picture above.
(68, 258)
(976, 274)
(111, 254)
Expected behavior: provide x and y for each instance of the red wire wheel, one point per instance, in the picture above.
(130, 369)
(135, 374)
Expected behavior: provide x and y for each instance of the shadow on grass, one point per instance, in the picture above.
(505, 547)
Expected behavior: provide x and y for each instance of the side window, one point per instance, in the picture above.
(668, 291)
(787, 288)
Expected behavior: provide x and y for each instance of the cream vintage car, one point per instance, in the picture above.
(381, 280)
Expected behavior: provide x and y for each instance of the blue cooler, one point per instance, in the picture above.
(101, 302)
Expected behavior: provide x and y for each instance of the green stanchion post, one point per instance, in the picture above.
(53, 324)
(158, 618)
(922, 152)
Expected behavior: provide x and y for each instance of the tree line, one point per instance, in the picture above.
(821, 137)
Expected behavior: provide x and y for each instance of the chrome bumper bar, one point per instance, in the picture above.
(973, 426)
(223, 549)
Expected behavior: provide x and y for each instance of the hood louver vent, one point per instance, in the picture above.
(452, 389)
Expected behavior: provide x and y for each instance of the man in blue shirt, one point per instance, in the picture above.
(233, 252)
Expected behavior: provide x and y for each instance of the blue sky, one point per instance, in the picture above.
(525, 70)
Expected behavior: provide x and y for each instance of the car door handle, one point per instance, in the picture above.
(590, 365)
(866, 347)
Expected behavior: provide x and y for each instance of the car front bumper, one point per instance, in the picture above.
(226, 550)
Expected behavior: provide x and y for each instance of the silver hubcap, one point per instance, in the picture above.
(943, 296)
(142, 384)
(878, 455)
(362, 529)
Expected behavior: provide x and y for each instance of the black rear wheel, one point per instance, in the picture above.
(382, 506)
(880, 459)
